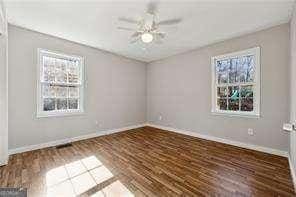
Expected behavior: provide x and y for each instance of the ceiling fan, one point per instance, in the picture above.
(148, 29)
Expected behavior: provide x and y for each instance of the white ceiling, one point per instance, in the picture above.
(94, 23)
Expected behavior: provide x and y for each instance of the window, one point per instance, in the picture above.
(236, 83)
(60, 84)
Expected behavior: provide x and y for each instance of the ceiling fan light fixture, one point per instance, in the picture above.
(147, 37)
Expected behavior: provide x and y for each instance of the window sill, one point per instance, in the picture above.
(236, 114)
(59, 114)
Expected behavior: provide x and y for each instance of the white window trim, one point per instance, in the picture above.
(256, 94)
(40, 112)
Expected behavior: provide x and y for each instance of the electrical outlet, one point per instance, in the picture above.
(98, 125)
(250, 131)
(160, 117)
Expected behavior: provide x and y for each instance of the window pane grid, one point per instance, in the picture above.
(237, 95)
(234, 77)
(60, 104)
(71, 91)
(236, 82)
(60, 71)
(235, 69)
(60, 83)
(240, 97)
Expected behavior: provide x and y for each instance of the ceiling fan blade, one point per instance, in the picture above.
(158, 39)
(125, 28)
(128, 20)
(134, 40)
(136, 34)
(153, 26)
(152, 7)
(170, 21)
(160, 34)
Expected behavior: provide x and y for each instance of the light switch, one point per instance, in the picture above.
(288, 127)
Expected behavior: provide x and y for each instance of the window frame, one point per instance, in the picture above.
(256, 51)
(69, 112)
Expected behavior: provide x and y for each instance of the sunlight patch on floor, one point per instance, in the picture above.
(80, 176)
(82, 183)
(63, 189)
(91, 162)
(75, 168)
(101, 174)
(56, 175)
(116, 189)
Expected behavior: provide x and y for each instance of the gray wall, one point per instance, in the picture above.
(179, 89)
(115, 94)
(293, 89)
(3, 88)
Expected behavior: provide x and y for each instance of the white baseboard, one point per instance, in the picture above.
(195, 134)
(73, 139)
(4, 161)
(292, 170)
(225, 141)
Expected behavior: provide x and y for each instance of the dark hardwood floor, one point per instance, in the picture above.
(148, 162)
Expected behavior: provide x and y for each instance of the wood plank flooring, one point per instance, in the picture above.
(148, 162)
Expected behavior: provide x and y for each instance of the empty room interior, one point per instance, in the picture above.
(147, 98)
